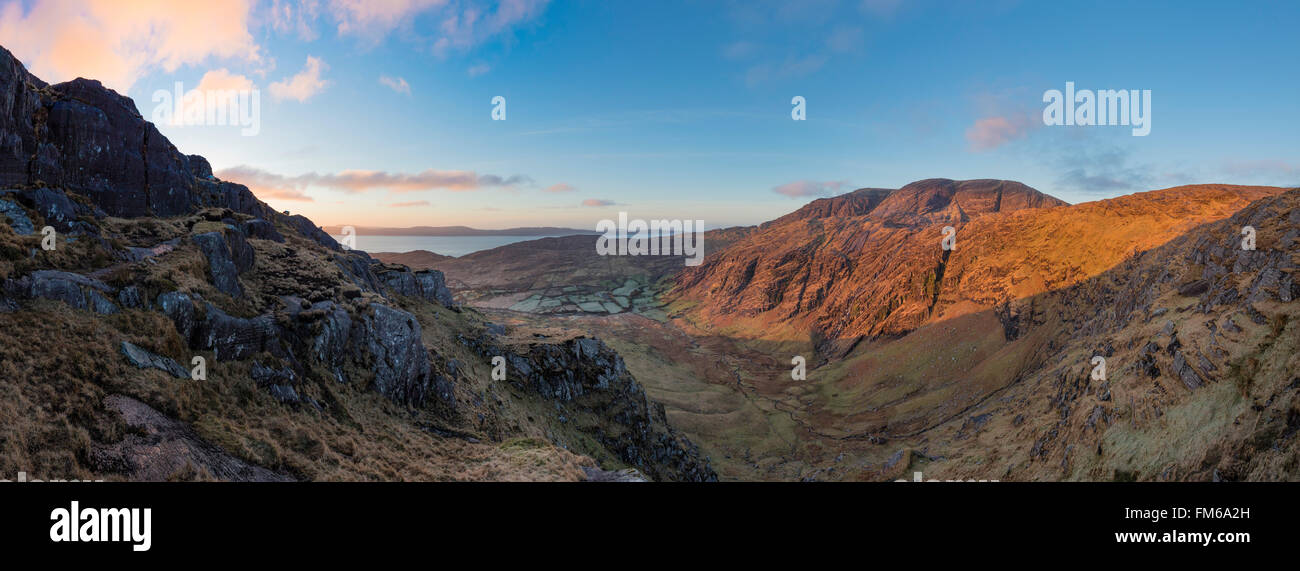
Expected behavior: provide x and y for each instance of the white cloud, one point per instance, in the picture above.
(397, 84)
(303, 85)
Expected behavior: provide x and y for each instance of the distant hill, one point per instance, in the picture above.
(459, 231)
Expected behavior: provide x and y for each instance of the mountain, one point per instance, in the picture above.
(181, 329)
(969, 363)
(458, 231)
(884, 272)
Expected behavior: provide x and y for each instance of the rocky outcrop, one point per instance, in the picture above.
(143, 359)
(433, 287)
(586, 375)
(388, 340)
(221, 263)
(427, 284)
(76, 290)
(83, 137)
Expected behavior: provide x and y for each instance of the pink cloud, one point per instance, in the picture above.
(992, 132)
(561, 187)
(597, 202)
(118, 41)
(303, 85)
(361, 181)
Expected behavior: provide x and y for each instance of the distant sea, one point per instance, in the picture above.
(446, 245)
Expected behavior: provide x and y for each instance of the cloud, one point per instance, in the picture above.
(373, 20)
(118, 41)
(304, 84)
(561, 187)
(473, 25)
(805, 188)
(1098, 167)
(409, 204)
(297, 17)
(362, 181)
(397, 84)
(216, 89)
(461, 25)
(477, 70)
(597, 202)
(1282, 172)
(790, 68)
(992, 132)
(266, 185)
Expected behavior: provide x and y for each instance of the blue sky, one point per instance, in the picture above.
(681, 109)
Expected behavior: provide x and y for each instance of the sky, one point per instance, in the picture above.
(381, 113)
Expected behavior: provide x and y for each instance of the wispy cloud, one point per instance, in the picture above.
(1100, 168)
(460, 25)
(303, 85)
(1279, 171)
(990, 133)
(806, 188)
(479, 69)
(409, 204)
(397, 84)
(360, 181)
(561, 187)
(598, 202)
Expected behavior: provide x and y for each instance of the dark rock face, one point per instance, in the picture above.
(228, 255)
(309, 229)
(389, 340)
(206, 327)
(433, 287)
(262, 230)
(18, 219)
(75, 290)
(586, 374)
(146, 360)
(358, 266)
(234, 338)
(18, 106)
(400, 280)
(199, 166)
(86, 138)
(427, 284)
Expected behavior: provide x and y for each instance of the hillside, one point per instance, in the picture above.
(316, 363)
(975, 364)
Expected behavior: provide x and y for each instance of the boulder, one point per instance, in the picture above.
(146, 360)
(75, 290)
